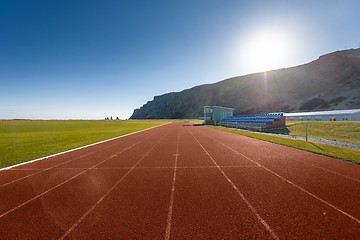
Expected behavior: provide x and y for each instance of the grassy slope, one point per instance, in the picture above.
(340, 131)
(21, 141)
(332, 151)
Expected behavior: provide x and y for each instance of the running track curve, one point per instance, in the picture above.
(181, 182)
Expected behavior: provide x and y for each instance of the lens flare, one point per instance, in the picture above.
(267, 50)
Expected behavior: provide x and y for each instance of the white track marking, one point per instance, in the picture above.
(62, 163)
(293, 184)
(71, 150)
(171, 204)
(107, 193)
(60, 184)
(44, 169)
(252, 208)
(183, 167)
(325, 169)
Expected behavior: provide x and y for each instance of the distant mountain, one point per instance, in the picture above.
(329, 83)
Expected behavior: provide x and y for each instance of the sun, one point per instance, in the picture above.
(266, 51)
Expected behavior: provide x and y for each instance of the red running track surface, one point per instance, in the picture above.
(182, 182)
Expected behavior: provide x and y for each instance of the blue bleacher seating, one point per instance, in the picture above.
(254, 121)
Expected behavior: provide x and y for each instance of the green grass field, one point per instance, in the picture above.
(22, 140)
(323, 149)
(340, 131)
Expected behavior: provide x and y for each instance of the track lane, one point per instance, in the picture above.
(11, 175)
(21, 203)
(15, 198)
(333, 188)
(48, 216)
(16, 194)
(136, 209)
(172, 195)
(190, 153)
(117, 199)
(246, 144)
(341, 169)
(205, 205)
(315, 217)
(144, 196)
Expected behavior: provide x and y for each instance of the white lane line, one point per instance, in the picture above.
(252, 208)
(181, 167)
(171, 204)
(62, 163)
(71, 150)
(44, 169)
(62, 183)
(108, 192)
(324, 169)
(295, 185)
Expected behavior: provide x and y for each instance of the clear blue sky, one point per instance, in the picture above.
(62, 59)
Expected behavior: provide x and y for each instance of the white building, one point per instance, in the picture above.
(335, 115)
(216, 113)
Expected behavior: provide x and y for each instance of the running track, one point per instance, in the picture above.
(182, 182)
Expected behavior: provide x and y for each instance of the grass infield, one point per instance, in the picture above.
(323, 149)
(339, 131)
(24, 140)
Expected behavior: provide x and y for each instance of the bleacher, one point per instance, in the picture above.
(258, 122)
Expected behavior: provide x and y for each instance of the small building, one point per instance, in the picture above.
(334, 115)
(214, 114)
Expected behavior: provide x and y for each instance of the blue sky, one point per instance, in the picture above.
(64, 59)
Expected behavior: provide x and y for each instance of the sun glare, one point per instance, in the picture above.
(266, 51)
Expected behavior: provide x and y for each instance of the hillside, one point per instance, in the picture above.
(328, 83)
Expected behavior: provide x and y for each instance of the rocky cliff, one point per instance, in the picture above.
(328, 83)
